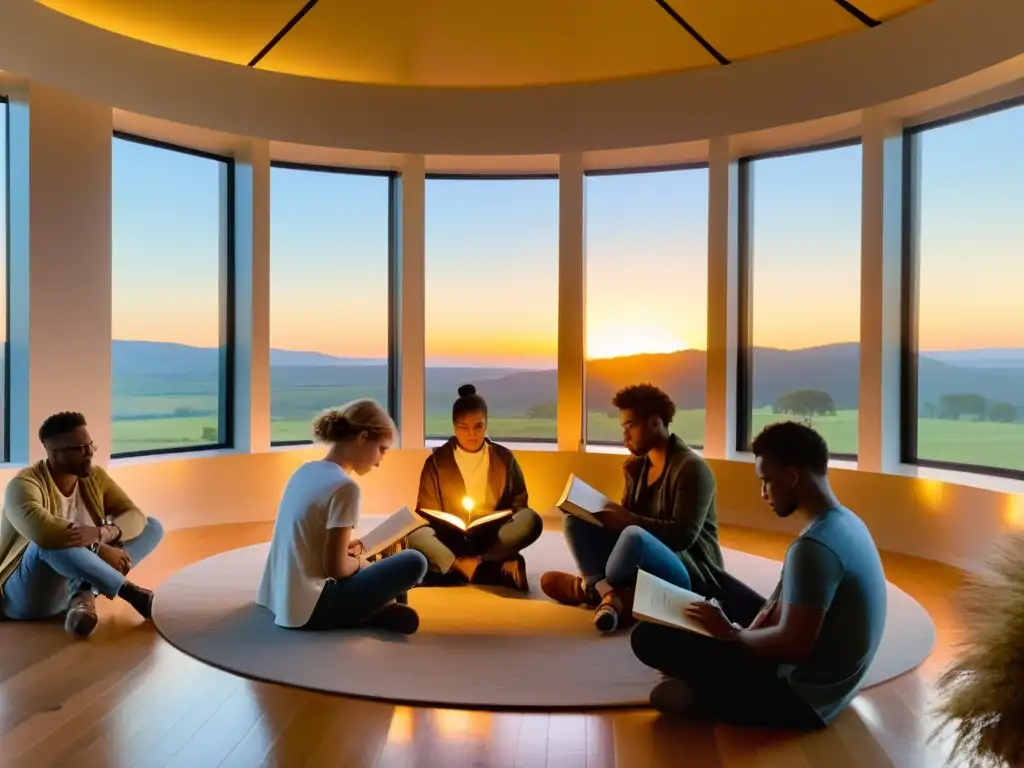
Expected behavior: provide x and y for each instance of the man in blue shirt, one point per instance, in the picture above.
(801, 659)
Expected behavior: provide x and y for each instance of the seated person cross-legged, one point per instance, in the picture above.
(314, 577)
(470, 476)
(69, 533)
(666, 523)
(798, 660)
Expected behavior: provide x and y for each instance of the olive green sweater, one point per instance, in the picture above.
(682, 514)
(32, 512)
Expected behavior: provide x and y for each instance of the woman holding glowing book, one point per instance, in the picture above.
(474, 495)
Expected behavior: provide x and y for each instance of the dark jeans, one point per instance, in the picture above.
(350, 602)
(729, 683)
(616, 556)
(495, 541)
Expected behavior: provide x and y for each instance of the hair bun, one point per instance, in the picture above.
(467, 390)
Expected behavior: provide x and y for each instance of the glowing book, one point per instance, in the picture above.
(580, 500)
(467, 522)
(657, 601)
(390, 531)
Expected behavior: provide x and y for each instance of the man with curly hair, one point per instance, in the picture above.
(68, 533)
(799, 658)
(666, 521)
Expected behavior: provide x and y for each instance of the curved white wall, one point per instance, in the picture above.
(942, 521)
(222, 106)
(936, 44)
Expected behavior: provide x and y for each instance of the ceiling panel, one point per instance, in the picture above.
(229, 30)
(741, 29)
(474, 43)
(886, 9)
(477, 43)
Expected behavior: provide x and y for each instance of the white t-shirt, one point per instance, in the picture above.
(73, 510)
(318, 496)
(475, 468)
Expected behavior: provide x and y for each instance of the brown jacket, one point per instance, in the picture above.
(442, 487)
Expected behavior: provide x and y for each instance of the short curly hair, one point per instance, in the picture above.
(60, 424)
(336, 425)
(645, 401)
(792, 444)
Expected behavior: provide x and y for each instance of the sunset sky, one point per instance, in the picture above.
(492, 271)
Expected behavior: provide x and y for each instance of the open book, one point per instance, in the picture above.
(465, 523)
(393, 529)
(580, 500)
(657, 601)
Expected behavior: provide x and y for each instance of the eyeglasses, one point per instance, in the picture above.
(89, 447)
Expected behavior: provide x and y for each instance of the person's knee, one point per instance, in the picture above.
(532, 525)
(421, 537)
(630, 546)
(641, 642)
(633, 536)
(414, 565)
(154, 529)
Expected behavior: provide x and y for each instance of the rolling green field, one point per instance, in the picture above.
(967, 442)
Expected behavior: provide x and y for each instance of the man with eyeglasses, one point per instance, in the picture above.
(68, 533)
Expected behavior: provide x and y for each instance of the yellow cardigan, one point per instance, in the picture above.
(32, 510)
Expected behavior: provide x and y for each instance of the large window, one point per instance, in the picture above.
(800, 240)
(647, 257)
(492, 302)
(4, 437)
(966, 251)
(172, 264)
(330, 245)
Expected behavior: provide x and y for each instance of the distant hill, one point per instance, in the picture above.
(149, 366)
(980, 358)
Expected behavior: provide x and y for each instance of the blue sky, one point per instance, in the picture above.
(492, 271)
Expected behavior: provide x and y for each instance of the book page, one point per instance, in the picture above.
(490, 517)
(450, 519)
(582, 501)
(658, 601)
(394, 528)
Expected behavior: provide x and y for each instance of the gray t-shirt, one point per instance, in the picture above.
(834, 565)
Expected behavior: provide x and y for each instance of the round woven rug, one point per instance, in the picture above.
(476, 647)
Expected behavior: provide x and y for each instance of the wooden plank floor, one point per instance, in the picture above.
(126, 698)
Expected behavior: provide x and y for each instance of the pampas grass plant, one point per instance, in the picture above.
(982, 693)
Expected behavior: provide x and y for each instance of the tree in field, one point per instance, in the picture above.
(928, 411)
(954, 406)
(806, 403)
(1005, 413)
(543, 411)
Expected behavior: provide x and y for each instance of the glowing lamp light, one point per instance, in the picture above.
(468, 504)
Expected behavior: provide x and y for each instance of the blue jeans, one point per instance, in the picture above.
(347, 603)
(45, 579)
(615, 556)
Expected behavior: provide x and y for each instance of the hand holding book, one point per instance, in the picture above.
(709, 614)
(615, 517)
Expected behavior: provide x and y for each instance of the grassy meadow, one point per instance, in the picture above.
(967, 442)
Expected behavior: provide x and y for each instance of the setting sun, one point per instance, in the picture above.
(622, 341)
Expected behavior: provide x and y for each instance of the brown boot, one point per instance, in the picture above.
(615, 611)
(81, 618)
(568, 589)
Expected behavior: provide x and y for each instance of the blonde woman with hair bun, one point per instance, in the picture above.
(314, 577)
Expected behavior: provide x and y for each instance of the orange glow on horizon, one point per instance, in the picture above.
(624, 342)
